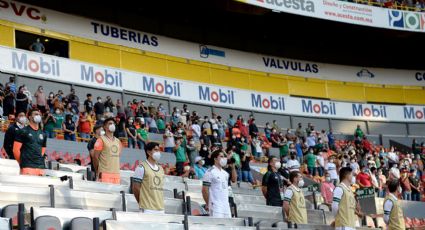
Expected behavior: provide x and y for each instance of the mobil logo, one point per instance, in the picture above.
(219, 96)
(40, 65)
(360, 110)
(163, 87)
(325, 108)
(273, 103)
(414, 113)
(101, 76)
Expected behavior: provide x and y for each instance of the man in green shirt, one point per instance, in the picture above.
(161, 125)
(358, 132)
(310, 158)
(181, 155)
(283, 149)
(142, 136)
(30, 145)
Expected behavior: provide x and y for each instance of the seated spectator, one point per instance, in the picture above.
(199, 168)
(69, 128)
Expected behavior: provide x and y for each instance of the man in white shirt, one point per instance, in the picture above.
(215, 189)
(293, 164)
(392, 157)
(394, 172)
(311, 140)
(196, 131)
(331, 169)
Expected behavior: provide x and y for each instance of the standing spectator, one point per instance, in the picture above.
(97, 131)
(37, 46)
(374, 178)
(214, 187)
(99, 108)
(230, 123)
(142, 136)
(394, 172)
(69, 128)
(169, 143)
(192, 152)
(109, 104)
(275, 126)
(215, 139)
(181, 155)
(268, 131)
(275, 138)
(129, 112)
(358, 132)
(393, 213)
(160, 124)
(162, 112)
(253, 129)
(283, 147)
(11, 84)
(153, 128)
(196, 131)
(320, 163)
(246, 168)
(415, 185)
(405, 185)
(392, 157)
(311, 162)
(74, 100)
(107, 154)
(272, 184)
(148, 182)
(22, 100)
(237, 158)
(293, 164)
(221, 128)
(331, 169)
(40, 99)
(344, 205)
(88, 103)
(363, 178)
(11, 133)
(131, 133)
(49, 122)
(153, 111)
(206, 155)
(299, 132)
(120, 108)
(85, 126)
(299, 149)
(382, 179)
(327, 189)
(325, 140)
(9, 102)
(257, 149)
(294, 202)
(331, 139)
(311, 140)
(199, 168)
(59, 117)
(29, 146)
(205, 139)
(207, 126)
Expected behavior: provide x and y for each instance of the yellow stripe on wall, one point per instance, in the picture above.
(7, 37)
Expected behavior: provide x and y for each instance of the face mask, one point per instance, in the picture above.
(328, 179)
(277, 165)
(233, 137)
(186, 168)
(202, 162)
(353, 180)
(58, 111)
(37, 119)
(192, 143)
(130, 121)
(301, 183)
(22, 120)
(215, 134)
(102, 133)
(204, 148)
(332, 161)
(223, 161)
(156, 156)
(112, 128)
(100, 101)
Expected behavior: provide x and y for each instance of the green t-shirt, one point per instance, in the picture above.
(59, 120)
(311, 160)
(143, 133)
(160, 124)
(237, 160)
(359, 133)
(49, 126)
(32, 143)
(244, 147)
(181, 154)
(283, 150)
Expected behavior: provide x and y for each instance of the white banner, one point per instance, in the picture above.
(109, 33)
(65, 70)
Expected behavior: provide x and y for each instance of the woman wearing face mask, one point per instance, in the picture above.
(49, 122)
(131, 132)
(206, 155)
(148, 181)
(22, 100)
(272, 184)
(200, 170)
(215, 139)
(169, 142)
(69, 128)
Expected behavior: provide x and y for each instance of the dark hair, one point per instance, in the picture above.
(373, 169)
(393, 185)
(109, 119)
(68, 117)
(89, 95)
(32, 110)
(77, 161)
(19, 112)
(292, 176)
(149, 147)
(215, 154)
(96, 127)
(99, 98)
(269, 161)
(343, 172)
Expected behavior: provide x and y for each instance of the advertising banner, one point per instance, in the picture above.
(327, 9)
(80, 73)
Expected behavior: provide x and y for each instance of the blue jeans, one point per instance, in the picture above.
(320, 171)
(300, 159)
(416, 196)
(311, 170)
(381, 193)
(85, 135)
(141, 144)
(407, 195)
(168, 149)
(70, 137)
(153, 130)
(247, 176)
(239, 173)
(131, 143)
(50, 134)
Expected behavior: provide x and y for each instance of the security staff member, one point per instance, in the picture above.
(107, 151)
(29, 146)
(294, 202)
(272, 185)
(10, 135)
(393, 213)
(148, 181)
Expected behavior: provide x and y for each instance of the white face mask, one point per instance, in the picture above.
(301, 183)
(37, 119)
(58, 111)
(223, 161)
(22, 120)
(202, 162)
(112, 128)
(215, 134)
(205, 148)
(100, 101)
(328, 179)
(156, 156)
(102, 133)
(277, 165)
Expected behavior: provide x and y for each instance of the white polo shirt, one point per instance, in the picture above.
(331, 168)
(217, 181)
